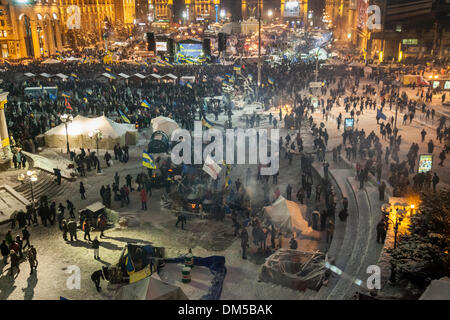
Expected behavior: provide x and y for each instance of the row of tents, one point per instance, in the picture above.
(168, 76)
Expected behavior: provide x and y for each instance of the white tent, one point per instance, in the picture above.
(46, 75)
(123, 75)
(80, 128)
(171, 76)
(164, 124)
(287, 215)
(72, 59)
(152, 288)
(109, 76)
(188, 78)
(140, 76)
(156, 76)
(61, 75)
(29, 74)
(50, 61)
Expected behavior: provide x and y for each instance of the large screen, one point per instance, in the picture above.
(349, 123)
(447, 85)
(291, 9)
(425, 162)
(191, 50)
(161, 46)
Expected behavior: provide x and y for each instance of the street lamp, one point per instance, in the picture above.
(270, 13)
(32, 178)
(66, 119)
(97, 134)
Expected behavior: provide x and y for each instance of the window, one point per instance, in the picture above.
(398, 28)
(2, 23)
(410, 41)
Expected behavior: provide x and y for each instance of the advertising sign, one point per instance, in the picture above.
(425, 162)
(349, 123)
(435, 84)
(291, 9)
(161, 46)
(192, 50)
(447, 85)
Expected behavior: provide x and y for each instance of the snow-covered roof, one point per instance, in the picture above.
(123, 75)
(46, 75)
(107, 75)
(30, 75)
(139, 75)
(82, 126)
(171, 76)
(60, 75)
(157, 76)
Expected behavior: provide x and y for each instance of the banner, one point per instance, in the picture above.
(211, 168)
(425, 163)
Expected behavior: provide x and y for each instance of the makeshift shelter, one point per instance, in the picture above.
(166, 125)
(79, 129)
(188, 79)
(140, 76)
(71, 59)
(123, 75)
(61, 75)
(29, 74)
(109, 76)
(45, 75)
(286, 215)
(152, 288)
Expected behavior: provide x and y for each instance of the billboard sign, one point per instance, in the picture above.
(191, 50)
(349, 123)
(161, 46)
(291, 9)
(425, 163)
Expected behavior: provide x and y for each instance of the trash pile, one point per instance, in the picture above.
(295, 269)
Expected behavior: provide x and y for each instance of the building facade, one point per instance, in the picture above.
(162, 10)
(199, 11)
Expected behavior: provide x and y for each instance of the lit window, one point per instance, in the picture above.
(5, 34)
(55, 16)
(398, 28)
(39, 16)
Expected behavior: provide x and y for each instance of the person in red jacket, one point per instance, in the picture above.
(144, 199)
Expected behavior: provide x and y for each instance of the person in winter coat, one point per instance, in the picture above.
(293, 244)
(20, 246)
(8, 238)
(61, 209)
(144, 199)
(101, 222)
(65, 229)
(32, 259)
(72, 227)
(87, 230)
(82, 191)
(95, 277)
(5, 251)
(96, 246)
(244, 243)
(14, 262)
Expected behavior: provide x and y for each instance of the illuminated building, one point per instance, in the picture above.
(125, 12)
(162, 11)
(249, 8)
(202, 10)
(294, 10)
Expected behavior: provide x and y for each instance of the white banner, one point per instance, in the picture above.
(211, 168)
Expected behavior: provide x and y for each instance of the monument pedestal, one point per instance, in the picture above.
(5, 164)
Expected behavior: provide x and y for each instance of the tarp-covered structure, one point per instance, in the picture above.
(286, 215)
(165, 125)
(152, 288)
(437, 290)
(81, 127)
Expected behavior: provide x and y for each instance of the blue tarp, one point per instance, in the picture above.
(215, 264)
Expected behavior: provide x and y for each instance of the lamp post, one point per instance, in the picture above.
(259, 48)
(97, 134)
(32, 178)
(66, 119)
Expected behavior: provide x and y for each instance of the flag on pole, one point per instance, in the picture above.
(270, 80)
(189, 85)
(147, 161)
(73, 75)
(65, 95)
(52, 96)
(130, 265)
(237, 68)
(67, 104)
(211, 168)
(145, 104)
(124, 117)
(380, 114)
(108, 69)
(227, 181)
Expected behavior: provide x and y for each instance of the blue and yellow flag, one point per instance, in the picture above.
(130, 265)
(147, 161)
(189, 85)
(108, 69)
(65, 95)
(237, 68)
(207, 123)
(270, 80)
(73, 75)
(145, 104)
(85, 99)
(227, 182)
(124, 117)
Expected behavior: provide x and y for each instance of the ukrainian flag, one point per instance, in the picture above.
(227, 182)
(108, 69)
(85, 99)
(189, 85)
(73, 75)
(270, 80)
(65, 95)
(147, 161)
(237, 68)
(124, 117)
(145, 104)
(130, 265)
(207, 123)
